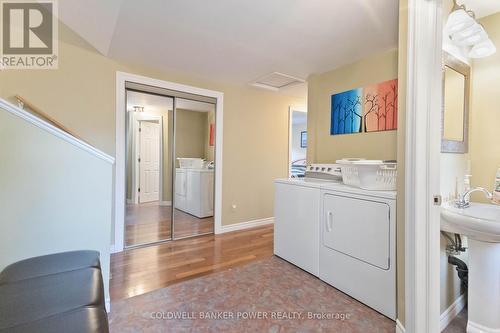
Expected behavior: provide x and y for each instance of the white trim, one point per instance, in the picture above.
(449, 314)
(399, 327)
(42, 124)
(247, 225)
(422, 166)
(121, 78)
(165, 203)
(291, 110)
(107, 304)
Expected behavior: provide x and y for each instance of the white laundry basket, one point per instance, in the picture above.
(369, 174)
(190, 163)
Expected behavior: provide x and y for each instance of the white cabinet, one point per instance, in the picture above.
(296, 225)
(194, 191)
(357, 252)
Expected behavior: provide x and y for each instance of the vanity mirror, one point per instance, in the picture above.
(455, 119)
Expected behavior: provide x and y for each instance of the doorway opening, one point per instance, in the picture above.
(297, 145)
(171, 181)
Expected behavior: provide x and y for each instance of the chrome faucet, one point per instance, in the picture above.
(464, 198)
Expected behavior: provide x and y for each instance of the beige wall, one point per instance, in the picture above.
(401, 141)
(325, 148)
(54, 197)
(81, 95)
(190, 134)
(485, 112)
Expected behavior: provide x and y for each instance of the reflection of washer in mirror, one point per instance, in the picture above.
(194, 170)
(455, 119)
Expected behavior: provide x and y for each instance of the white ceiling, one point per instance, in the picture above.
(482, 8)
(236, 41)
(155, 103)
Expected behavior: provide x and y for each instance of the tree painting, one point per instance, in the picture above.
(347, 112)
(380, 103)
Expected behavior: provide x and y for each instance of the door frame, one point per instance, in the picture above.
(137, 118)
(422, 165)
(119, 186)
(291, 110)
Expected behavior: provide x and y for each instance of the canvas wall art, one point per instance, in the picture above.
(347, 112)
(369, 109)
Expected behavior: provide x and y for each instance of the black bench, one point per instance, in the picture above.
(61, 292)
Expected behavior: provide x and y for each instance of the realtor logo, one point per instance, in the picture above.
(29, 35)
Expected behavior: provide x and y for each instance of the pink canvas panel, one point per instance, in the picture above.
(380, 109)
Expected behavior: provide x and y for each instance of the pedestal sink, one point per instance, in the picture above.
(481, 224)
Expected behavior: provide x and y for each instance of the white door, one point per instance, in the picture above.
(149, 161)
(365, 221)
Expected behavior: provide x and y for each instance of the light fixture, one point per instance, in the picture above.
(472, 40)
(482, 49)
(471, 31)
(458, 20)
(464, 31)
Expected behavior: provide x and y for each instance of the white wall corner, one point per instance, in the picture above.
(399, 327)
(107, 304)
(112, 249)
(449, 314)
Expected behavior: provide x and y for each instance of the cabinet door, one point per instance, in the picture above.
(358, 228)
(296, 225)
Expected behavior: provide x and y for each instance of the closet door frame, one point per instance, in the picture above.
(127, 80)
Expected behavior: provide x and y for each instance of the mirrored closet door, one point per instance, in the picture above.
(194, 168)
(170, 170)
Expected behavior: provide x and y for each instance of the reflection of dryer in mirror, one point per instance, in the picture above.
(194, 191)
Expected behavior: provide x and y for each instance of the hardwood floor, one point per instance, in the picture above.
(150, 222)
(138, 271)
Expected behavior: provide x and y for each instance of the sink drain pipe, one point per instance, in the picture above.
(455, 247)
(462, 270)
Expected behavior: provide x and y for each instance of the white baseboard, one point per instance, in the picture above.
(246, 225)
(165, 203)
(130, 201)
(399, 327)
(449, 314)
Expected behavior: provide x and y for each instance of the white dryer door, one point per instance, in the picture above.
(357, 228)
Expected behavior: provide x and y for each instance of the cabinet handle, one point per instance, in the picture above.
(329, 221)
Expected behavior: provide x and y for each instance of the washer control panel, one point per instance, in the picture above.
(323, 171)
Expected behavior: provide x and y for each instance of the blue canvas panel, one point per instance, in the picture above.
(346, 112)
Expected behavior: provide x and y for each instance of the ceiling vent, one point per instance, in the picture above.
(276, 81)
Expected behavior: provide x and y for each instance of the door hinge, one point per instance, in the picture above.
(139, 189)
(437, 199)
(139, 160)
(140, 129)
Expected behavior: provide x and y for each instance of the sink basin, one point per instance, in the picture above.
(478, 221)
(481, 224)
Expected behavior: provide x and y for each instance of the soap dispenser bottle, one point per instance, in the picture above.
(496, 189)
